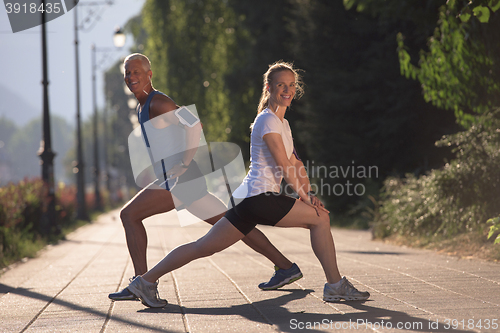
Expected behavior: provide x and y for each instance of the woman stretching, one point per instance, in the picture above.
(259, 200)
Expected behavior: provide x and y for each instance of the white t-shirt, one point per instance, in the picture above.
(264, 174)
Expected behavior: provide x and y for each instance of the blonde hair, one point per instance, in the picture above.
(279, 66)
(146, 64)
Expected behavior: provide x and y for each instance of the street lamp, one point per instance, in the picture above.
(81, 212)
(46, 154)
(119, 40)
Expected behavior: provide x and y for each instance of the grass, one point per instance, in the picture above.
(471, 245)
(28, 245)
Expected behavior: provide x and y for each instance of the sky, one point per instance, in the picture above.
(21, 59)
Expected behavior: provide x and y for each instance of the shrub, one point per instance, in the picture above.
(21, 208)
(494, 229)
(460, 197)
(66, 204)
(20, 203)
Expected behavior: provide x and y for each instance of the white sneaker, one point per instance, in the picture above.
(345, 291)
(147, 293)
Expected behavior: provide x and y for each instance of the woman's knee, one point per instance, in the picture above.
(323, 220)
(204, 249)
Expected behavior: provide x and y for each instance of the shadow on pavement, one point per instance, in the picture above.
(370, 317)
(53, 299)
(366, 316)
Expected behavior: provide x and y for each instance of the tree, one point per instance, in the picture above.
(188, 46)
(458, 69)
(358, 110)
(25, 143)
(7, 129)
(262, 38)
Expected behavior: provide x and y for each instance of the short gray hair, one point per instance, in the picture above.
(146, 64)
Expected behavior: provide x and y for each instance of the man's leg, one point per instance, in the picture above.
(146, 203)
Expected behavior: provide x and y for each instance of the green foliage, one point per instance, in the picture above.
(495, 228)
(19, 203)
(358, 109)
(7, 129)
(189, 47)
(458, 68)
(21, 207)
(457, 198)
(263, 35)
(459, 71)
(481, 9)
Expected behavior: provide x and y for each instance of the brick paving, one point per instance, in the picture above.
(65, 288)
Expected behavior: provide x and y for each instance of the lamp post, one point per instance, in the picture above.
(81, 212)
(105, 140)
(119, 40)
(46, 154)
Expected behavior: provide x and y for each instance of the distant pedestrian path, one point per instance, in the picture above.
(65, 289)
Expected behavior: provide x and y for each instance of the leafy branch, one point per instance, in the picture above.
(494, 228)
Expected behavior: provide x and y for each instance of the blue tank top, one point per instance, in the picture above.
(165, 146)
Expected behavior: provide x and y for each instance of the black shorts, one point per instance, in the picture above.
(266, 208)
(189, 187)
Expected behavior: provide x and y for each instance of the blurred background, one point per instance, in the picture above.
(384, 80)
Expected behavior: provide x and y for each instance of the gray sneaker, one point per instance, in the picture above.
(147, 293)
(345, 291)
(124, 294)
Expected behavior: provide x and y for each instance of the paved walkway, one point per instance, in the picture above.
(65, 289)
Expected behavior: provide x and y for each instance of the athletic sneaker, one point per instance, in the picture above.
(124, 294)
(282, 277)
(344, 291)
(148, 293)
